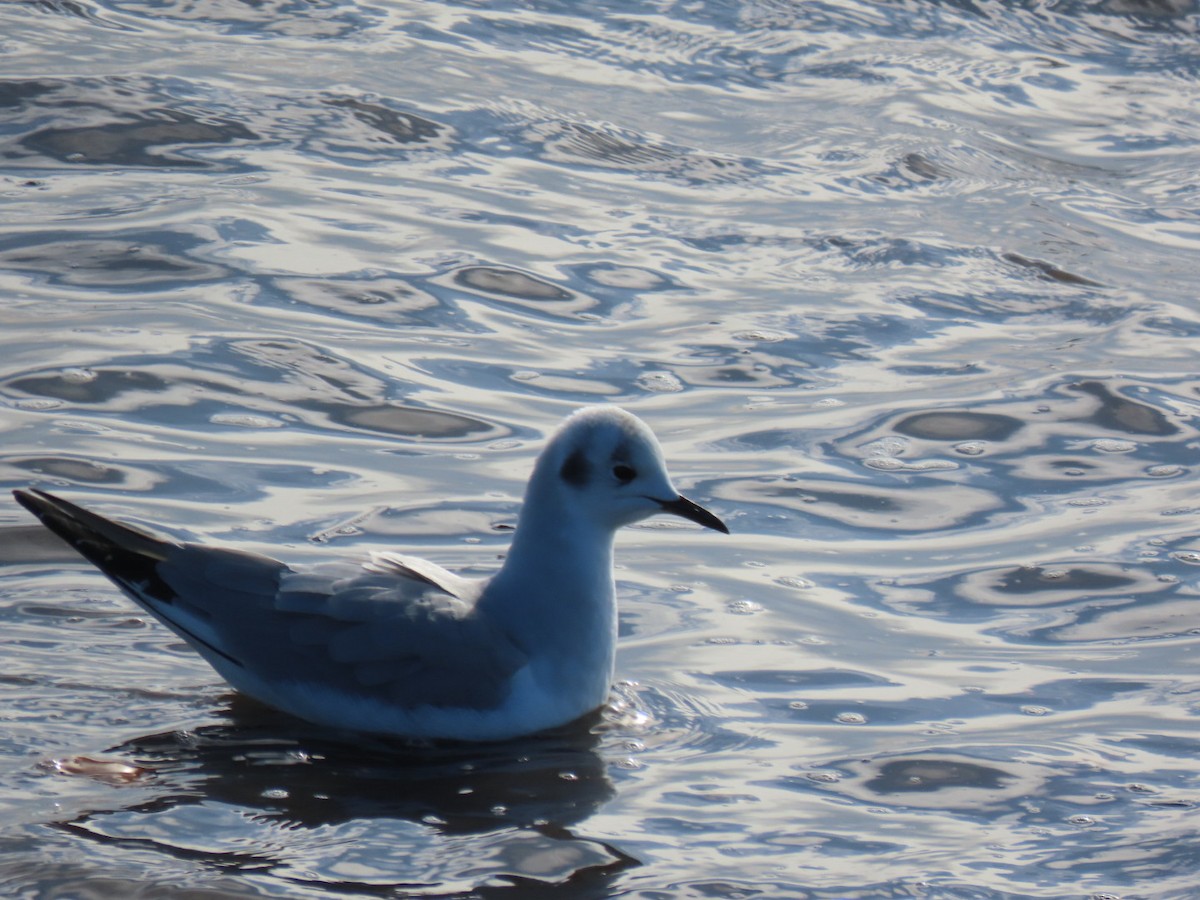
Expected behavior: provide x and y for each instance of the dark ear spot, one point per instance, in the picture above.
(574, 469)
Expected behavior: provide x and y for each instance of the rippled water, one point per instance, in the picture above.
(908, 290)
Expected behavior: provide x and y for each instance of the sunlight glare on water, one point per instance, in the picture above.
(907, 291)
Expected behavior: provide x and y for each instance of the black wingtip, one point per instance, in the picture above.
(103, 542)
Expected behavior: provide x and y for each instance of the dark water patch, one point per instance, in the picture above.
(929, 774)
(400, 127)
(531, 293)
(1073, 602)
(86, 386)
(1019, 587)
(928, 507)
(125, 121)
(510, 284)
(313, 20)
(1164, 620)
(134, 261)
(330, 778)
(967, 786)
(413, 422)
(1004, 304)
(23, 545)
(17, 94)
(1048, 270)
(145, 139)
(73, 9)
(355, 129)
(731, 374)
(223, 380)
(1118, 412)
(959, 425)
(150, 123)
(384, 299)
(72, 469)
(579, 144)
(1116, 432)
(1051, 584)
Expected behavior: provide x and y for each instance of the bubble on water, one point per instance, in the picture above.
(1110, 445)
(850, 718)
(829, 403)
(1082, 821)
(274, 794)
(659, 383)
(1033, 710)
(796, 582)
(244, 420)
(971, 448)
(798, 705)
(891, 464)
(626, 277)
(78, 375)
(1087, 501)
(1165, 471)
(743, 607)
(932, 465)
(824, 777)
(759, 336)
(887, 446)
(37, 404)
(1191, 557)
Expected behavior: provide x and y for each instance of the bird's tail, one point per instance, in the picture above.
(127, 555)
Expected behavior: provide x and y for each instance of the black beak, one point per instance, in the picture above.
(682, 506)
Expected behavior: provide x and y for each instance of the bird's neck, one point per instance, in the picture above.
(556, 591)
(557, 565)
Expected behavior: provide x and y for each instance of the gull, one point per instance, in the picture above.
(397, 645)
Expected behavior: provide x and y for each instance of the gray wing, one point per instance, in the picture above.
(394, 637)
(362, 633)
(385, 631)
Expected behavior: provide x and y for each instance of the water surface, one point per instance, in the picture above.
(907, 290)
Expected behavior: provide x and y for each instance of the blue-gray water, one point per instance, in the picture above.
(908, 290)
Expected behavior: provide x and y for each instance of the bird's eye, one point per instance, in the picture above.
(624, 473)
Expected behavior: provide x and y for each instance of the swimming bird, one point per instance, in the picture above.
(397, 645)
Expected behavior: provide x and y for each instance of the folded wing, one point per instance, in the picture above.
(384, 632)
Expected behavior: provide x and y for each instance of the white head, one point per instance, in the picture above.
(605, 464)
